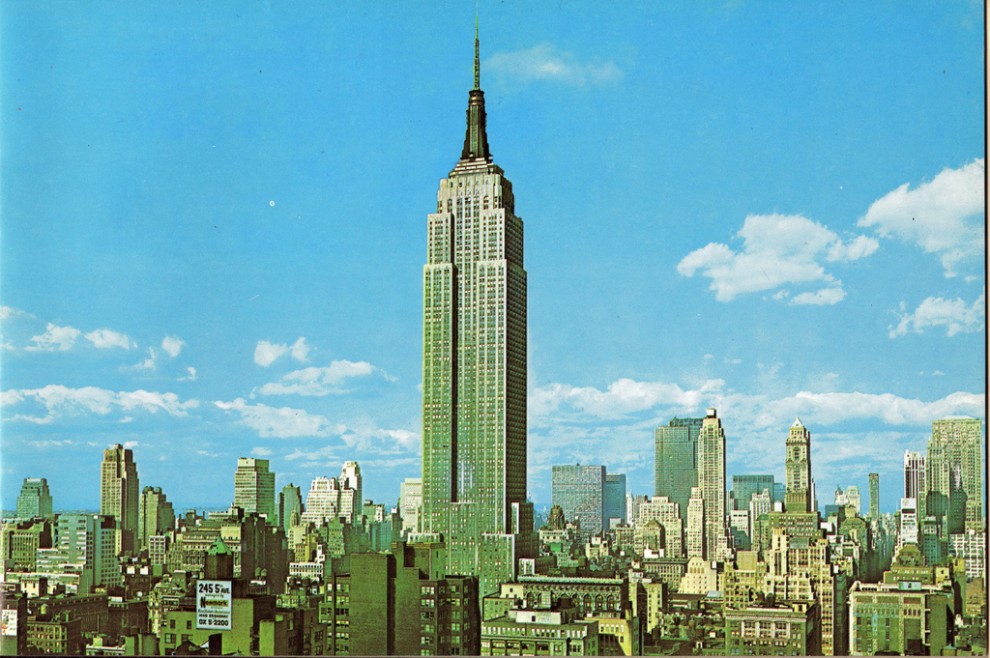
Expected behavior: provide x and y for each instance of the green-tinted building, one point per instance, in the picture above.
(782, 630)
(35, 499)
(675, 467)
(539, 633)
(156, 515)
(902, 618)
(401, 605)
(956, 449)
(474, 365)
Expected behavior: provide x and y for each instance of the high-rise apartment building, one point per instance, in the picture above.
(854, 498)
(797, 464)
(957, 442)
(120, 494)
(579, 490)
(675, 467)
(474, 364)
(915, 473)
(156, 515)
(711, 482)
(874, 496)
(35, 500)
(614, 499)
(254, 487)
(289, 503)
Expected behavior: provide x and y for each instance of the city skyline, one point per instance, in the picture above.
(229, 266)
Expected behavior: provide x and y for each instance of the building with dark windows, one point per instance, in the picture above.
(35, 499)
(675, 468)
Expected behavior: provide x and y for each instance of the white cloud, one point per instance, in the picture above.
(173, 345)
(148, 363)
(130, 445)
(943, 216)
(315, 381)
(190, 375)
(107, 338)
(54, 339)
(280, 422)
(826, 296)
(777, 251)
(261, 452)
(58, 400)
(11, 313)
(622, 397)
(267, 353)
(299, 350)
(544, 62)
(954, 314)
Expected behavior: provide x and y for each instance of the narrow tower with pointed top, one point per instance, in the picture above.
(474, 364)
(797, 463)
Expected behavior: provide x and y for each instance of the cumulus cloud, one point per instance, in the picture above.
(267, 353)
(107, 338)
(55, 339)
(59, 400)
(777, 251)
(11, 313)
(190, 375)
(955, 315)
(173, 345)
(280, 422)
(622, 397)
(261, 452)
(943, 216)
(149, 362)
(546, 63)
(315, 381)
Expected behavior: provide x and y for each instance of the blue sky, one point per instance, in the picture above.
(214, 222)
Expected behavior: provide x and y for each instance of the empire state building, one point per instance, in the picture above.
(474, 365)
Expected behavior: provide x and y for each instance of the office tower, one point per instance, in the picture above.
(675, 467)
(86, 546)
(874, 496)
(579, 492)
(156, 515)
(759, 505)
(351, 502)
(322, 501)
(474, 365)
(254, 487)
(907, 532)
(119, 494)
(711, 482)
(632, 507)
(289, 503)
(666, 512)
(957, 442)
(35, 499)
(854, 498)
(696, 524)
(914, 480)
(779, 492)
(614, 499)
(410, 503)
(798, 468)
(739, 526)
(745, 486)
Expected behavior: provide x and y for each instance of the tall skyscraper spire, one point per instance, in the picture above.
(476, 137)
(477, 55)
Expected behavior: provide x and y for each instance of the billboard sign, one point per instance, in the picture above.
(213, 605)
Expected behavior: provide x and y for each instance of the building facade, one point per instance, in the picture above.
(797, 464)
(675, 468)
(474, 364)
(254, 487)
(579, 491)
(711, 482)
(957, 443)
(120, 494)
(35, 499)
